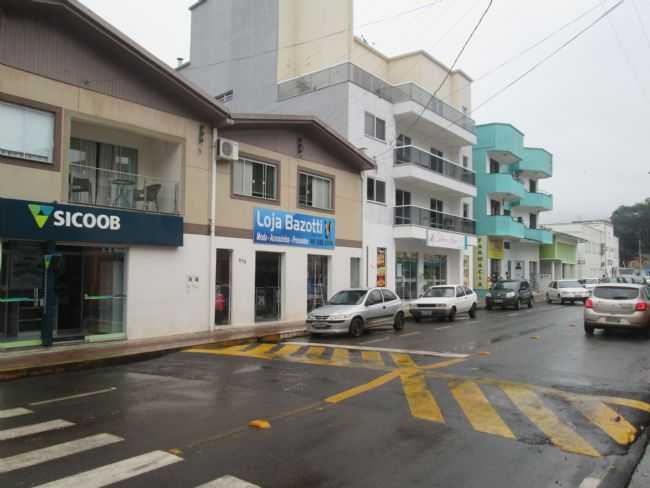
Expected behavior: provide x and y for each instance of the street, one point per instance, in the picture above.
(510, 399)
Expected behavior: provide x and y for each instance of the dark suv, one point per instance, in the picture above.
(509, 293)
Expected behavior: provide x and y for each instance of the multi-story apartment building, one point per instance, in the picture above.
(598, 254)
(508, 204)
(289, 56)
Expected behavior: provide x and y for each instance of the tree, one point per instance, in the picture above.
(632, 223)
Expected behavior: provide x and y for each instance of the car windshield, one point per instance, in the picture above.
(616, 293)
(444, 292)
(348, 297)
(506, 285)
(570, 284)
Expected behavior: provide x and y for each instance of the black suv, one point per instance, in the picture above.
(509, 293)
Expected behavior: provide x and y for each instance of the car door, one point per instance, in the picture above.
(551, 290)
(375, 309)
(525, 291)
(460, 302)
(392, 304)
(470, 297)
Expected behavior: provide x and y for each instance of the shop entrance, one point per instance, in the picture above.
(317, 271)
(267, 286)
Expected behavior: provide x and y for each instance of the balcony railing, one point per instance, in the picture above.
(107, 188)
(348, 72)
(423, 217)
(437, 164)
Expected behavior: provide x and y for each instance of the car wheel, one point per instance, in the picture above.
(398, 324)
(518, 304)
(452, 314)
(472, 311)
(589, 329)
(531, 302)
(356, 327)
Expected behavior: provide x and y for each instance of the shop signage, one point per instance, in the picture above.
(446, 240)
(481, 264)
(293, 229)
(21, 219)
(381, 267)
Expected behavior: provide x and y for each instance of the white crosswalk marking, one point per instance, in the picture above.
(13, 412)
(58, 451)
(228, 482)
(33, 429)
(115, 472)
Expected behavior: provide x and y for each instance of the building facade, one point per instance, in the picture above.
(598, 255)
(302, 57)
(508, 205)
(559, 259)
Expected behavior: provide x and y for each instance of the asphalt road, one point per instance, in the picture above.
(510, 399)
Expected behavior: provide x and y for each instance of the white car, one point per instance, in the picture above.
(444, 301)
(589, 284)
(566, 291)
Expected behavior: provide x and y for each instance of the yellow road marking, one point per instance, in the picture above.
(341, 357)
(443, 364)
(314, 352)
(604, 417)
(421, 402)
(286, 350)
(261, 349)
(358, 390)
(560, 435)
(373, 358)
(479, 411)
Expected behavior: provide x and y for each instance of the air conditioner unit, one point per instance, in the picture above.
(228, 150)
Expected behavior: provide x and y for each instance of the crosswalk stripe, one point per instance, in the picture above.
(228, 482)
(314, 352)
(608, 420)
(414, 384)
(115, 472)
(358, 390)
(286, 350)
(479, 411)
(13, 412)
(341, 356)
(373, 358)
(33, 429)
(58, 451)
(261, 349)
(560, 434)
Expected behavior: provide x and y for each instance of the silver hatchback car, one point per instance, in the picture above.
(355, 310)
(618, 305)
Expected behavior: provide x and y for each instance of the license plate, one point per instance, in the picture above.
(498, 300)
(319, 325)
(425, 312)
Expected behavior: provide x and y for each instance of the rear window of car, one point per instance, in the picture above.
(446, 292)
(616, 293)
(570, 284)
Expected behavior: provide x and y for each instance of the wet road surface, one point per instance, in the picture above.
(509, 399)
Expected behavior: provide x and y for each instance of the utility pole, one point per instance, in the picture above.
(640, 257)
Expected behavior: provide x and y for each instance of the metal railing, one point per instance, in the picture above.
(437, 164)
(348, 72)
(424, 217)
(107, 188)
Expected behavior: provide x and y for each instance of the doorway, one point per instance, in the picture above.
(268, 284)
(223, 285)
(317, 273)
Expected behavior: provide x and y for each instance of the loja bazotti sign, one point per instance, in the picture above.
(293, 229)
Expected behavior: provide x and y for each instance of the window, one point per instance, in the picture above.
(26, 133)
(495, 207)
(466, 210)
(375, 127)
(460, 292)
(255, 179)
(532, 185)
(402, 207)
(376, 190)
(468, 291)
(494, 166)
(403, 152)
(465, 162)
(406, 275)
(373, 298)
(389, 296)
(437, 205)
(315, 191)
(533, 221)
(355, 272)
(436, 160)
(435, 270)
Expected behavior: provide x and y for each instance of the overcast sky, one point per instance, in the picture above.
(589, 105)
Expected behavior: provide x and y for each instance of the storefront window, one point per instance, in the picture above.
(317, 271)
(435, 270)
(406, 275)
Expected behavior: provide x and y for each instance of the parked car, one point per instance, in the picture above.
(444, 301)
(355, 310)
(614, 305)
(565, 291)
(589, 283)
(509, 293)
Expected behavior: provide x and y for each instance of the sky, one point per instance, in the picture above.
(589, 104)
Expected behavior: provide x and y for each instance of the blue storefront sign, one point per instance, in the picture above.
(293, 229)
(24, 219)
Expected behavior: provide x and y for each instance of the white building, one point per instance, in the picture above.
(288, 56)
(599, 255)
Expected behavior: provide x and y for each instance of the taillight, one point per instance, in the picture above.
(589, 303)
(641, 307)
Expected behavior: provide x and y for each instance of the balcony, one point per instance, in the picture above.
(535, 202)
(502, 142)
(502, 226)
(408, 98)
(536, 163)
(504, 186)
(423, 217)
(542, 236)
(94, 186)
(419, 168)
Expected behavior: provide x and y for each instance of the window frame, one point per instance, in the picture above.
(381, 297)
(374, 126)
(375, 180)
(55, 165)
(323, 176)
(264, 161)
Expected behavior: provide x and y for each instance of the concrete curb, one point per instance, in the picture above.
(114, 355)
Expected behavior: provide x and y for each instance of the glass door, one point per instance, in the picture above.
(222, 292)
(406, 275)
(22, 290)
(317, 272)
(267, 286)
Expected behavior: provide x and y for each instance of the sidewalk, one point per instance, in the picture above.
(32, 362)
(641, 476)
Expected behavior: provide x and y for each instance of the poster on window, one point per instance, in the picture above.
(466, 270)
(381, 267)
